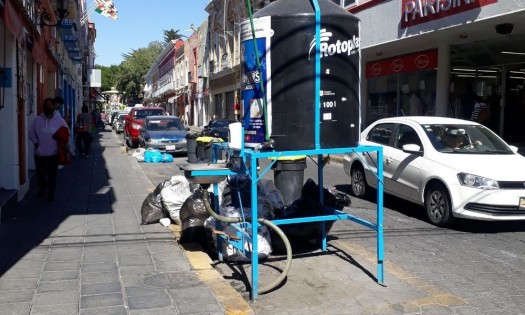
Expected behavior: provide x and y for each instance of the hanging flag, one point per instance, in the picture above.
(106, 8)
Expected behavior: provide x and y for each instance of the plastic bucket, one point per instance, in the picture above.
(288, 177)
(205, 149)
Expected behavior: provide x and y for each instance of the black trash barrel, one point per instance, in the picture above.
(208, 150)
(202, 142)
(288, 177)
(191, 143)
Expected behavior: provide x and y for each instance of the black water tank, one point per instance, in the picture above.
(285, 33)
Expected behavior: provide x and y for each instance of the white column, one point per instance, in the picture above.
(443, 80)
(502, 101)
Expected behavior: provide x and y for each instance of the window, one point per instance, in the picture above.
(403, 94)
(476, 139)
(381, 134)
(145, 113)
(407, 135)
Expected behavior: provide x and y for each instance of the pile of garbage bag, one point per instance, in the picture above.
(168, 198)
(152, 156)
(183, 203)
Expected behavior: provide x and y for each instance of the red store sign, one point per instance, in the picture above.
(423, 60)
(420, 11)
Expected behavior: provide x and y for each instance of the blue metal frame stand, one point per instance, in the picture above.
(330, 214)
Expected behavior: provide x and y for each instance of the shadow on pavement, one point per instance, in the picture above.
(82, 189)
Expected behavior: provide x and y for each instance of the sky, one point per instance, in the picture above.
(141, 22)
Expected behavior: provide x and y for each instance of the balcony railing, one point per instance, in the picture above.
(164, 89)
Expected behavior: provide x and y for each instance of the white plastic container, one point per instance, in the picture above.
(235, 135)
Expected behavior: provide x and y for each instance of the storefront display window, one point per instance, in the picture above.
(402, 86)
(406, 94)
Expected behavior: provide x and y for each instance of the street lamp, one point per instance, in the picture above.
(61, 12)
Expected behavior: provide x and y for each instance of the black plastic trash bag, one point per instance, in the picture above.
(303, 236)
(192, 214)
(237, 192)
(152, 210)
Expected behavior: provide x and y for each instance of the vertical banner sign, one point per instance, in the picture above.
(251, 93)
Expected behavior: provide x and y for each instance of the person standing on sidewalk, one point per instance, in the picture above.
(59, 103)
(41, 133)
(83, 128)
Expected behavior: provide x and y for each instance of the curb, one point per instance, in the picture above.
(231, 299)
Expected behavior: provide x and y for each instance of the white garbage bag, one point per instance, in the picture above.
(139, 154)
(174, 195)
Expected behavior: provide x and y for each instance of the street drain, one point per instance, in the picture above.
(170, 280)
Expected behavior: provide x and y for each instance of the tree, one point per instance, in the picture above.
(109, 76)
(170, 35)
(135, 66)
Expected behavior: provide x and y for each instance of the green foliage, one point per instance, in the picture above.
(109, 76)
(129, 75)
(170, 35)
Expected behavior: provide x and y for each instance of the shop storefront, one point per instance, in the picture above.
(402, 85)
(437, 57)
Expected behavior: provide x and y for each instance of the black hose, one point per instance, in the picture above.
(269, 224)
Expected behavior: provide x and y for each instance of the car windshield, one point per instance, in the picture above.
(219, 123)
(148, 112)
(121, 117)
(471, 139)
(164, 125)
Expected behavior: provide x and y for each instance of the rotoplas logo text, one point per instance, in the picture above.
(349, 47)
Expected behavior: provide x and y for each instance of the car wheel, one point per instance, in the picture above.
(360, 187)
(438, 206)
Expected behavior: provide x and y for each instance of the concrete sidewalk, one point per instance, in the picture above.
(86, 253)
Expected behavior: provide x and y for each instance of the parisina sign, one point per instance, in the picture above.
(420, 11)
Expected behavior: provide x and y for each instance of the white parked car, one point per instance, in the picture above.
(454, 168)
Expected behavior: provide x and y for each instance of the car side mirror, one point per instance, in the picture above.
(413, 149)
(187, 128)
(206, 127)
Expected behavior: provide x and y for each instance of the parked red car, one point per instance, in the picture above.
(134, 121)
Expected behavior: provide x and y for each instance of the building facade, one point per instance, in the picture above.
(38, 60)
(202, 95)
(424, 58)
(437, 57)
(224, 60)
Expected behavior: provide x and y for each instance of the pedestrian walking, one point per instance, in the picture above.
(42, 133)
(83, 128)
